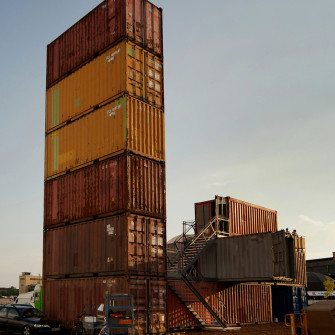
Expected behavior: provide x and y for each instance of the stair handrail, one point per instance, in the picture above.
(201, 279)
(181, 253)
(213, 225)
(188, 267)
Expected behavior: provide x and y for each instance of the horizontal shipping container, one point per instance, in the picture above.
(109, 22)
(126, 124)
(241, 218)
(116, 244)
(258, 257)
(65, 299)
(125, 182)
(237, 304)
(125, 68)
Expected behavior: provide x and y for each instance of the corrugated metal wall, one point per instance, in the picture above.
(244, 304)
(123, 182)
(244, 218)
(69, 296)
(108, 23)
(105, 165)
(254, 257)
(179, 317)
(120, 244)
(247, 218)
(124, 68)
(122, 125)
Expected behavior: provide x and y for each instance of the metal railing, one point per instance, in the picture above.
(186, 266)
(198, 242)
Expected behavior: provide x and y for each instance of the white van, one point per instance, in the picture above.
(28, 297)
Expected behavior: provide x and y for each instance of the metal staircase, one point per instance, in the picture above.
(185, 268)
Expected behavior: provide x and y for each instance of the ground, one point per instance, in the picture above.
(266, 329)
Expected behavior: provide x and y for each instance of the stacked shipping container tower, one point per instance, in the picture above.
(104, 217)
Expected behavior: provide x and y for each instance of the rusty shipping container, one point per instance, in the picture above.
(242, 218)
(124, 68)
(299, 262)
(256, 257)
(300, 268)
(121, 244)
(301, 274)
(126, 124)
(108, 23)
(64, 299)
(125, 182)
(237, 304)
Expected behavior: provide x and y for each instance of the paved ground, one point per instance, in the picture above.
(267, 329)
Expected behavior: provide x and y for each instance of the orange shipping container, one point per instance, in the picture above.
(125, 68)
(126, 124)
(65, 299)
(117, 244)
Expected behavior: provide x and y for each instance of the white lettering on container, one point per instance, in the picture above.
(110, 57)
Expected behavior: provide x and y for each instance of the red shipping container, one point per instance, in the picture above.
(125, 182)
(242, 218)
(238, 304)
(121, 244)
(65, 299)
(111, 21)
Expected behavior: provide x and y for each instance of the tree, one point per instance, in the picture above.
(329, 286)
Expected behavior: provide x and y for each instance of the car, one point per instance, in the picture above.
(26, 320)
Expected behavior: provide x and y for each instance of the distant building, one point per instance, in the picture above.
(27, 282)
(326, 266)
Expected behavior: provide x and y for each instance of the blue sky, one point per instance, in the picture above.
(249, 113)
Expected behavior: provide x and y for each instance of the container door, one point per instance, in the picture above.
(156, 308)
(221, 212)
(282, 302)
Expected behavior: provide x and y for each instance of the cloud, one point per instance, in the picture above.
(314, 222)
(319, 236)
(217, 184)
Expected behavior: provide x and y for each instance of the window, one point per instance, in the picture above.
(12, 313)
(3, 312)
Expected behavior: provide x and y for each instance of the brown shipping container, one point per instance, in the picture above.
(124, 124)
(109, 22)
(238, 304)
(65, 299)
(300, 268)
(125, 182)
(244, 218)
(120, 244)
(124, 68)
(257, 257)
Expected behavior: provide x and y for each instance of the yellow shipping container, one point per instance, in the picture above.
(125, 68)
(123, 124)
